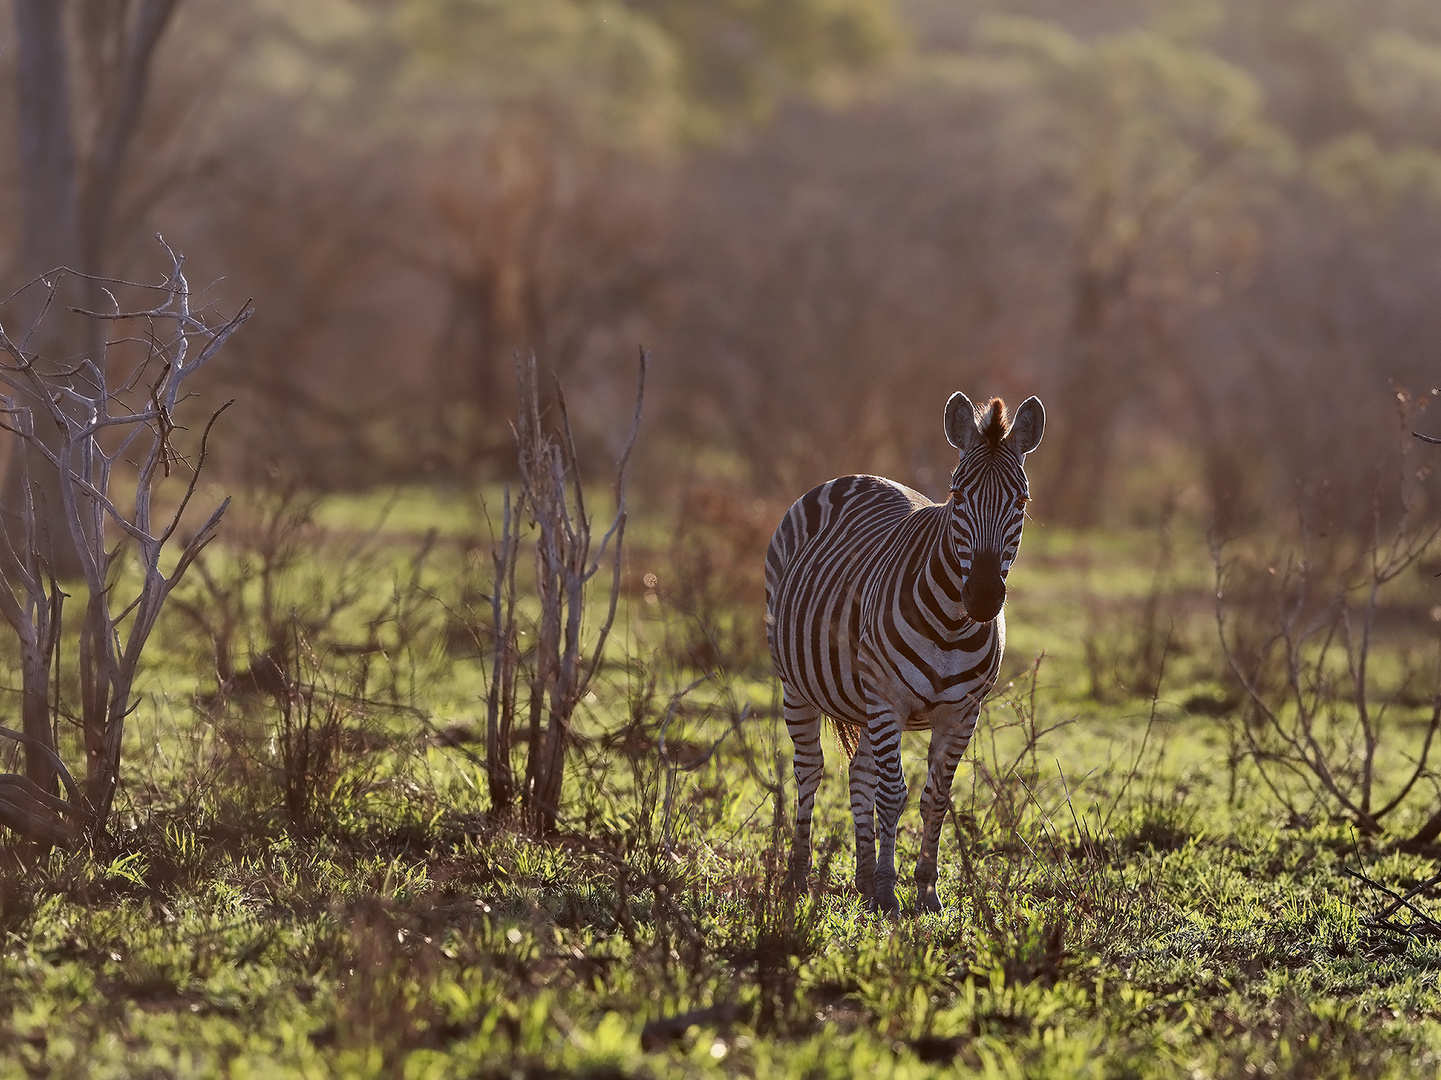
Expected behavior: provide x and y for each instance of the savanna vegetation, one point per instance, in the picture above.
(385, 645)
(315, 867)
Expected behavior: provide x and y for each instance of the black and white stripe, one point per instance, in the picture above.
(883, 612)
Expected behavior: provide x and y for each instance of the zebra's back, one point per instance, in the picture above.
(835, 540)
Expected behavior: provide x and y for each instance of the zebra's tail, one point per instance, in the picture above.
(849, 738)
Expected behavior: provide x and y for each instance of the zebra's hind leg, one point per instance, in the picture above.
(948, 744)
(803, 721)
(863, 808)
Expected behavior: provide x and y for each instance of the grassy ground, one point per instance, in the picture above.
(1124, 896)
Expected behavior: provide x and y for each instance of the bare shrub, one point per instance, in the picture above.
(105, 416)
(262, 591)
(288, 756)
(244, 599)
(308, 656)
(549, 682)
(789, 923)
(1327, 699)
(309, 727)
(1042, 881)
(1007, 760)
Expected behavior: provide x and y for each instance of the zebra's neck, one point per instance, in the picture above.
(945, 566)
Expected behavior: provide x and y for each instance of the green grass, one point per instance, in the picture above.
(1124, 899)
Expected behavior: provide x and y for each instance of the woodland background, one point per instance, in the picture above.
(1205, 232)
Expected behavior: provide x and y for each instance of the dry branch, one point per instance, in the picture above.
(1421, 924)
(558, 670)
(98, 427)
(1316, 715)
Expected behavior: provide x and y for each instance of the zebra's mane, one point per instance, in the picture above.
(995, 422)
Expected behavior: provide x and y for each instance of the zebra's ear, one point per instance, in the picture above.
(961, 429)
(1028, 426)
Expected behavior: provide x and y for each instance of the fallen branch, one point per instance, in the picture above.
(657, 1033)
(1422, 925)
(29, 810)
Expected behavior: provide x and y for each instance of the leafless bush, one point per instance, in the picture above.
(310, 725)
(1007, 760)
(1322, 690)
(789, 923)
(549, 682)
(289, 757)
(80, 431)
(1044, 880)
(261, 591)
(243, 599)
(308, 656)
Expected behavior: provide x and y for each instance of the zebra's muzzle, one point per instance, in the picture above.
(985, 590)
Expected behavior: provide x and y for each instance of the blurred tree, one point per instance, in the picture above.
(1100, 205)
(1395, 80)
(75, 123)
(842, 273)
(1370, 182)
(654, 69)
(547, 232)
(519, 157)
(1325, 65)
(737, 58)
(1392, 154)
(1160, 160)
(545, 242)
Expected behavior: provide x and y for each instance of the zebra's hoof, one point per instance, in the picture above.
(885, 903)
(927, 900)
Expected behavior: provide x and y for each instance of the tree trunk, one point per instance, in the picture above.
(52, 236)
(66, 202)
(1088, 390)
(68, 194)
(48, 177)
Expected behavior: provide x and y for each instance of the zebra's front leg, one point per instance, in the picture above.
(863, 814)
(885, 728)
(804, 721)
(948, 745)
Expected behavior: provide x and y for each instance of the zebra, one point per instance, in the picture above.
(883, 612)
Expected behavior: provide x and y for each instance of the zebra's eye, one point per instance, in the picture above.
(1021, 502)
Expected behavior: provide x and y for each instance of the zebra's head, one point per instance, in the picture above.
(989, 493)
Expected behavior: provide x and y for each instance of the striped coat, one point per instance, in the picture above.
(883, 612)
